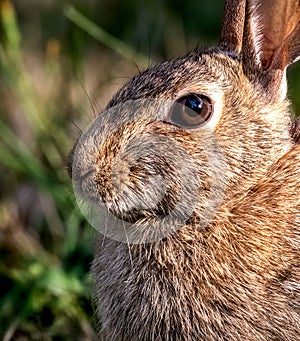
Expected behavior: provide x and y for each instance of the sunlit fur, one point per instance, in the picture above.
(237, 278)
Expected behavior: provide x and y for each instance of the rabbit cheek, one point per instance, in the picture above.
(136, 187)
(146, 174)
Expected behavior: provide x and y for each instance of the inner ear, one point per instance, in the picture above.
(275, 32)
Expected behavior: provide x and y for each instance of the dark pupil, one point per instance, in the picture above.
(195, 103)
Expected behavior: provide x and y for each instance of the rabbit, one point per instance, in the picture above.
(196, 161)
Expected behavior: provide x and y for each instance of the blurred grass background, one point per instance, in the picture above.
(60, 62)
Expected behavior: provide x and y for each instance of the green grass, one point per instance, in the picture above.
(45, 289)
(105, 38)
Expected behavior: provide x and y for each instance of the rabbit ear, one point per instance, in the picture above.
(265, 35)
(233, 26)
(279, 35)
(269, 27)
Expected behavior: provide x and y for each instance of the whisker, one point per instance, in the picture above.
(105, 227)
(90, 98)
(79, 130)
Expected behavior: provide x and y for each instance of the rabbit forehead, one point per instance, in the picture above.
(196, 72)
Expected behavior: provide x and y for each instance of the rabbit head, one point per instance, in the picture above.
(130, 156)
(172, 160)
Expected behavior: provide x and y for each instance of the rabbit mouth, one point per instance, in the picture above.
(133, 216)
(137, 214)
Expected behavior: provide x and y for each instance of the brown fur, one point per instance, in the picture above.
(236, 277)
(296, 130)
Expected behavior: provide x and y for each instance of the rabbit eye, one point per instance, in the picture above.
(191, 111)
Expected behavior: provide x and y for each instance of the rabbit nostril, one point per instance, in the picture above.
(87, 174)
